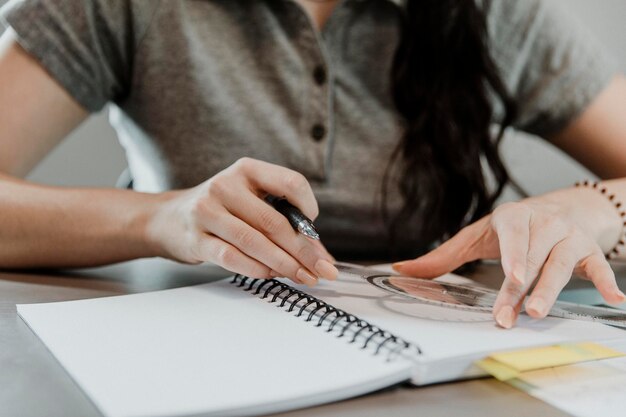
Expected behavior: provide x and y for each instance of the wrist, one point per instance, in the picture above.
(615, 201)
(152, 223)
(590, 210)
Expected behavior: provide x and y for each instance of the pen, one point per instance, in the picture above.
(298, 221)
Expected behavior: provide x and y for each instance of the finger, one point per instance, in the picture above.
(597, 269)
(215, 250)
(512, 225)
(321, 247)
(281, 182)
(452, 254)
(544, 236)
(507, 315)
(257, 246)
(264, 218)
(509, 302)
(556, 273)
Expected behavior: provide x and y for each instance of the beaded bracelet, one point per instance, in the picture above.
(618, 206)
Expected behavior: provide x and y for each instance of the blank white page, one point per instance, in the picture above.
(212, 349)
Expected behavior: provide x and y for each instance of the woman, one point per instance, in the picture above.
(228, 101)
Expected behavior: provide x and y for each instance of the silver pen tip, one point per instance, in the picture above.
(308, 230)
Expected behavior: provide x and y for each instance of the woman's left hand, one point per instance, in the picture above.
(537, 240)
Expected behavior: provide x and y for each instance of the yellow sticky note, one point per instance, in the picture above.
(497, 369)
(550, 356)
(508, 365)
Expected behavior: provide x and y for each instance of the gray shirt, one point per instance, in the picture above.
(195, 85)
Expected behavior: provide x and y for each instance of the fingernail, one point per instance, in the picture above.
(519, 274)
(306, 278)
(326, 270)
(399, 265)
(538, 306)
(621, 295)
(505, 317)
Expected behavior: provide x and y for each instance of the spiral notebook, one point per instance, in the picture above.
(243, 346)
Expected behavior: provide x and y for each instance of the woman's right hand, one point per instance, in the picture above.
(226, 221)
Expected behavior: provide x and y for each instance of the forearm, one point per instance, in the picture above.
(57, 227)
(596, 137)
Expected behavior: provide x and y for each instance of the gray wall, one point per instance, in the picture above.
(91, 155)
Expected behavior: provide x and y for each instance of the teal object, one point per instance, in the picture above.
(587, 296)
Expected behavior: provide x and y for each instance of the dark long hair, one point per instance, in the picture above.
(443, 84)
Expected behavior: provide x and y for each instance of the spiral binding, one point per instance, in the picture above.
(321, 313)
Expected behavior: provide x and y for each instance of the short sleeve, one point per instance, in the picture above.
(551, 65)
(86, 45)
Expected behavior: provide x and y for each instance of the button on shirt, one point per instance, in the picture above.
(196, 85)
(319, 75)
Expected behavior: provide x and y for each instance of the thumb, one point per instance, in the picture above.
(446, 258)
